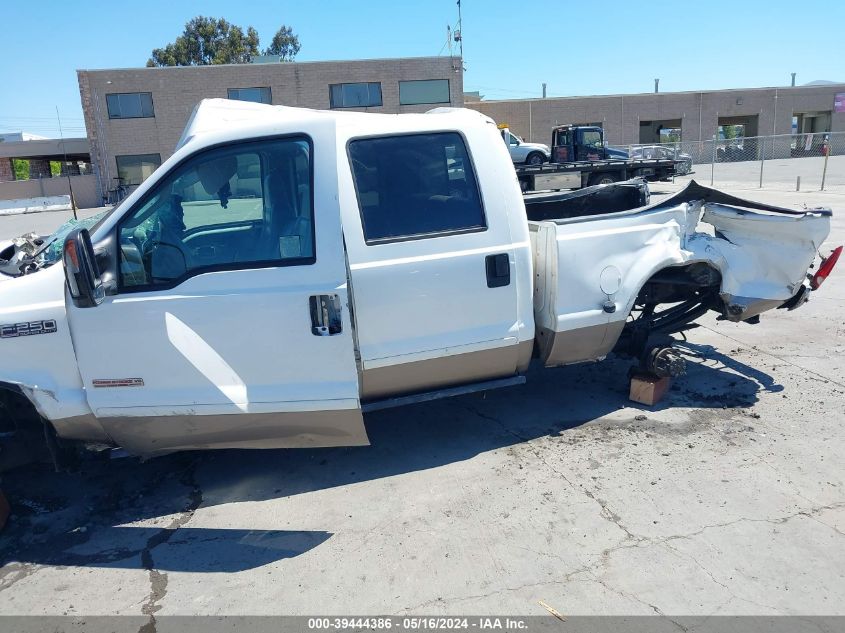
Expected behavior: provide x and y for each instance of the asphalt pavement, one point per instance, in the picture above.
(725, 498)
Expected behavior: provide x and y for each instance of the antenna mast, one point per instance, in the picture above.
(459, 35)
(65, 164)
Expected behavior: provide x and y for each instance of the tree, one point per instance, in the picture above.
(208, 41)
(285, 44)
(21, 167)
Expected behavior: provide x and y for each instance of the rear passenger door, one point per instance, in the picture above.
(431, 272)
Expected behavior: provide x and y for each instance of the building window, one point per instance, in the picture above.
(256, 95)
(130, 105)
(415, 186)
(424, 91)
(135, 169)
(359, 95)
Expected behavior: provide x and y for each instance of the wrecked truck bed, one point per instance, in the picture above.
(587, 202)
(605, 274)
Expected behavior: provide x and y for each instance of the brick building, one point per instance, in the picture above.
(691, 116)
(135, 116)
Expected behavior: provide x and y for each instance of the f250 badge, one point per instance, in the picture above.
(14, 330)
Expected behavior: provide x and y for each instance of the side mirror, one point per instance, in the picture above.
(81, 272)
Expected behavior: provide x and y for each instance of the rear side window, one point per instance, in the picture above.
(415, 186)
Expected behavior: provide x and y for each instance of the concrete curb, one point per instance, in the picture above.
(35, 205)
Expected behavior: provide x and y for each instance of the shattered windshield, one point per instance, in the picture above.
(54, 251)
(32, 252)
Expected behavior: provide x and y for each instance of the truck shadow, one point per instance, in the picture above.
(80, 518)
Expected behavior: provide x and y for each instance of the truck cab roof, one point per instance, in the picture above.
(244, 119)
(571, 126)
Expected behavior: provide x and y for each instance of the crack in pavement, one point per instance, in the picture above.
(634, 598)
(633, 540)
(756, 349)
(481, 596)
(158, 580)
(712, 577)
(606, 513)
(808, 512)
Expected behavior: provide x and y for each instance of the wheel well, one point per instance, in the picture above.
(679, 283)
(26, 436)
(687, 291)
(17, 413)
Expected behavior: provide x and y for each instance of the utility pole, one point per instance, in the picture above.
(67, 171)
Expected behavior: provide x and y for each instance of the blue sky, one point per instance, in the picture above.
(510, 48)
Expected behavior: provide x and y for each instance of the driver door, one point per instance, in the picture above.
(590, 146)
(230, 326)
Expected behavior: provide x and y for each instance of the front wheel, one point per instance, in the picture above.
(535, 158)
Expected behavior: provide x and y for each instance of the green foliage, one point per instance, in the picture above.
(207, 41)
(55, 168)
(285, 44)
(670, 135)
(728, 132)
(21, 168)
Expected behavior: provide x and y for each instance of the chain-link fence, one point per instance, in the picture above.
(786, 161)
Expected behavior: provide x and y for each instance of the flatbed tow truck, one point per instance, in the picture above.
(580, 158)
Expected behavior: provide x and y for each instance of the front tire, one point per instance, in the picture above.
(535, 158)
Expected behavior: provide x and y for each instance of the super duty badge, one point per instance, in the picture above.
(14, 330)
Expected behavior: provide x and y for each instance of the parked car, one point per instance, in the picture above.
(525, 153)
(373, 261)
(617, 152)
(683, 161)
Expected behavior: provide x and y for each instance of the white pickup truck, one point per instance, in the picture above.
(287, 270)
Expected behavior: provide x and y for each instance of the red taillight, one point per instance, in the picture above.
(826, 267)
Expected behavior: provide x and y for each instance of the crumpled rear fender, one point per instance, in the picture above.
(763, 258)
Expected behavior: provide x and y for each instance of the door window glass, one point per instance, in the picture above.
(414, 186)
(591, 138)
(233, 207)
(562, 138)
